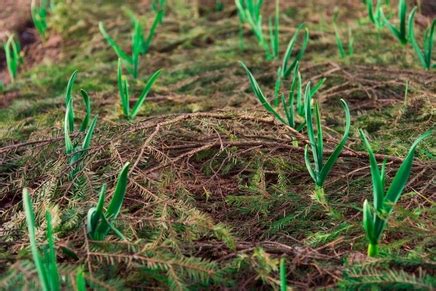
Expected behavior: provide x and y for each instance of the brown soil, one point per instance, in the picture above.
(14, 14)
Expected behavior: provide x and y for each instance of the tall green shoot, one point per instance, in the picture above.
(320, 170)
(75, 151)
(123, 89)
(45, 262)
(375, 218)
(13, 58)
(424, 55)
(99, 222)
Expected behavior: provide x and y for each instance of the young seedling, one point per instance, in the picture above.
(123, 88)
(288, 67)
(139, 45)
(289, 103)
(401, 32)
(375, 14)
(375, 218)
(13, 58)
(321, 170)
(424, 55)
(39, 16)
(250, 13)
(74, 151)
(146, 43)
(99, 222)
(45, 262)
(341, 50)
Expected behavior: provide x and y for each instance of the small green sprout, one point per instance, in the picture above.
(74, 151)
(401, 32)
(321, 170)
(288, 67)
(123, 88)
(39, 16)
(424, 55)
(294, 98)
(100, 222)
(139, 45)
(13, 58)
(340, 45)
(375, 14)
(375, 218)
(45, 262)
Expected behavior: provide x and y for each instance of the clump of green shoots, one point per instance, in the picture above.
(401, 32)
(321, 170)
(74, 151)
(123, 88)
(99, 222)
(424, 55)
(139, 44)
(283, 72)
(375, 218)
(341, 50)
(375, 14)
(45, 262)
(293, 106)
(13, 57)
(39, 16)
(288, 67)
(250, 13)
